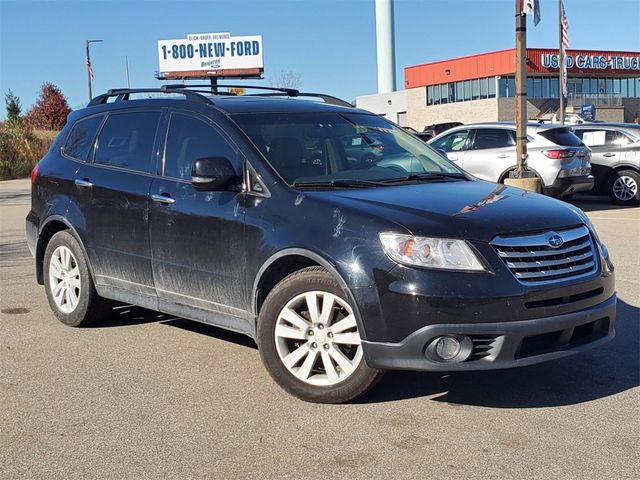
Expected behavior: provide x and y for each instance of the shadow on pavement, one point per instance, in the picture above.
(211, 331)
(610, 369)
(127, 315)
(597, 203)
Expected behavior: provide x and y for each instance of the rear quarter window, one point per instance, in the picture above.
(561, 136)
(81, 138)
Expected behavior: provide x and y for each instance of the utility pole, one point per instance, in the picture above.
(560, 64)
(521, 89)
(522, 178)
(89, 68)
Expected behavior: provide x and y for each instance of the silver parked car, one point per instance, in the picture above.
(488, 151)
(615, 159)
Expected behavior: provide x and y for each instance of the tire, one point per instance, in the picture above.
(624, 187)
(286, 330)
(68, 284)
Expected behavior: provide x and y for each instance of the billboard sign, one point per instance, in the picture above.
(211, 54)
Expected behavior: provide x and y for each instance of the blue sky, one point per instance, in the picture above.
(330, 43)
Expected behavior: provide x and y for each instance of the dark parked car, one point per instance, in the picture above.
(206, 207)
(437, 128)
(615, 159)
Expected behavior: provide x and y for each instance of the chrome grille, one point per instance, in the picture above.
(532, 259)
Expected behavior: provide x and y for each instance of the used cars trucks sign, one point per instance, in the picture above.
(210, 53)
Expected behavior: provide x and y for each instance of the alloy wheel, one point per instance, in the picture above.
(625, 188)
(317, 338)
(64, 279)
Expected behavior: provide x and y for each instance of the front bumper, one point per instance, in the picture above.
(569, 185)
(501, 345)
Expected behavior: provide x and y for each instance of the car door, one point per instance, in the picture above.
(454, 145)
(197, 243)
(114, 191)
(491, 152)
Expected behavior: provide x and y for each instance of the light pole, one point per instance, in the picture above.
(89, 69)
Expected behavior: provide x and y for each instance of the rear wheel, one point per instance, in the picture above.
(624, 187)
(309, 340)
(68, 283)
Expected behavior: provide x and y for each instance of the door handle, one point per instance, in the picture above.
(503, 155)
(609, 155)
(453, 159)
(162, 199)
(84, 183)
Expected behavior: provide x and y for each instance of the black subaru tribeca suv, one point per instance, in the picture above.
(247, 213)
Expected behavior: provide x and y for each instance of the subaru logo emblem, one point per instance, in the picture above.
(554, 240)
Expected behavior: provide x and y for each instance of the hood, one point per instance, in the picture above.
(473, 210)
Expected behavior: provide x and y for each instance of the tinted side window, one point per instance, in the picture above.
(81, 137)
(492, 138)
(190, 138)
(126, 140)
(453, 142)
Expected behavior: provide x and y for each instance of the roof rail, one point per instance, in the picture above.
(272, 92)
(330, 99)
(122, 94)
(291, 92)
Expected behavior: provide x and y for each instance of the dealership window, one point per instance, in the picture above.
(545, 87)
(467, 90)
(624, 90)
(553, 87)
(586, 86)
(451, 90)
(616, 86)
(475, 89)
(492, 86)
(444, 93)
(484, 83)
(459, 92)
(429, 95)
(609, 85)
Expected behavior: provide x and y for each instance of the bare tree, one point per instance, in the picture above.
(286, 79)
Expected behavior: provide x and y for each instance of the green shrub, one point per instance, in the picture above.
(20, 149)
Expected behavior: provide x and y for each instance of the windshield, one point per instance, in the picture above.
(313, 148)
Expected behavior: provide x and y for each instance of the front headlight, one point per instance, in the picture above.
(442, 253)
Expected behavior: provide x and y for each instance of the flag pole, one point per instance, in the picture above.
(560, 64)
(88, 61)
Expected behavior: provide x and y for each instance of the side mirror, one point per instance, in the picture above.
(214, 173)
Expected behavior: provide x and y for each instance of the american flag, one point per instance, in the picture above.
(90, 69)
(565, 46)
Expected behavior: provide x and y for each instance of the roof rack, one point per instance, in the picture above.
(291, 92)
(195, 93)
(271, 92)
(122, 94)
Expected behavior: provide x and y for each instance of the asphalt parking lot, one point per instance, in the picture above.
(148, 396)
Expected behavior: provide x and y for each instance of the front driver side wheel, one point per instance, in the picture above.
(309, 339)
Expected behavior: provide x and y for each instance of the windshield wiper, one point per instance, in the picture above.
(425, 176)
(341, 183)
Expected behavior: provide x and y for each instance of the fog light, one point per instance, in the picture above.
(447, 348)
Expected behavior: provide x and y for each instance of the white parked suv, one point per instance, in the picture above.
(488, 151)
